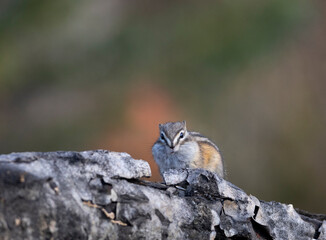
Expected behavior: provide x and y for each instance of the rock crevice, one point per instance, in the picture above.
(100, 195)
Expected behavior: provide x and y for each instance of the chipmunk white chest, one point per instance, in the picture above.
(167, 158)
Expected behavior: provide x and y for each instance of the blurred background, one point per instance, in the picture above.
(79, 75)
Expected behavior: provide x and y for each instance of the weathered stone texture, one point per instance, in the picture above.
(98, 195)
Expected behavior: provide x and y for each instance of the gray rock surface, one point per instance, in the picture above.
(99, 195)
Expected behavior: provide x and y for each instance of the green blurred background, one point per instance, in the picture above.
(77, 75)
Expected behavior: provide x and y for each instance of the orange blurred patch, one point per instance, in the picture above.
(147, 106)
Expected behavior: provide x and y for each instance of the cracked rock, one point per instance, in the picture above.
(98, 195)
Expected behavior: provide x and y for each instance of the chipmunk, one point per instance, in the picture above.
(178, 148)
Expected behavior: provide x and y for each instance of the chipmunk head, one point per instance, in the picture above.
(172, 134)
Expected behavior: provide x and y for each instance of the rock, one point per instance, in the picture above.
(175, 176)
(98, 195)
(322, 231)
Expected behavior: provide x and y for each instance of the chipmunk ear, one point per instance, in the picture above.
(184, 123)
(159, 126)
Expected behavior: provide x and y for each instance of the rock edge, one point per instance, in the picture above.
(99, 195)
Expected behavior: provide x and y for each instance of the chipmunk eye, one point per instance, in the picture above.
(181, 135)
(162, 136)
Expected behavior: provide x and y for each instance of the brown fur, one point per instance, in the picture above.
(210, 158)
